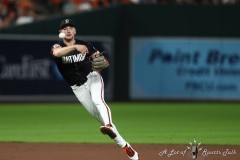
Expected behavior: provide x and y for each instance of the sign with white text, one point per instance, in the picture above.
(28, 71)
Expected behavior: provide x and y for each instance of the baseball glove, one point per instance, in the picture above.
(99, 62)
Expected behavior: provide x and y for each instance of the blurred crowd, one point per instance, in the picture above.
(17, 12)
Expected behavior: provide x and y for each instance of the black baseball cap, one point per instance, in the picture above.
(66, 22)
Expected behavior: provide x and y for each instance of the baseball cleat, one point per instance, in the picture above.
(108, 130)
(132, 154)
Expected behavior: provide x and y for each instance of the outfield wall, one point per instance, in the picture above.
(29, 73)
(181, 32)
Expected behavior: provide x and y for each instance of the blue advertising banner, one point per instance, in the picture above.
(185, 68)
(28, 71)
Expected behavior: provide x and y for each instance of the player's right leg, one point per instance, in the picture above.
(113, 133)
(97, 107)
(108, 128)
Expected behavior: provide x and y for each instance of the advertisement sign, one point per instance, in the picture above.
(28, 71)
(185, 68)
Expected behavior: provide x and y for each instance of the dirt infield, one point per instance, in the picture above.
(67, 151)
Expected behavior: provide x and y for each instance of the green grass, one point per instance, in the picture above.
(175, 123)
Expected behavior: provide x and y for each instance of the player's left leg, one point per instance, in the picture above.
(97, 92)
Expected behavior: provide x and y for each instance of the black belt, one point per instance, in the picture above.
(82, 82)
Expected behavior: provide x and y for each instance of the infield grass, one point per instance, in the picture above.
(165, 123)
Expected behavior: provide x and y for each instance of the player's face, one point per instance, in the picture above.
(69, 32)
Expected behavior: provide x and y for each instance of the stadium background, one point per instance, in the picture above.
(204, 112)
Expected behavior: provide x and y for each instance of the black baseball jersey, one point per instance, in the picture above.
(75, 66)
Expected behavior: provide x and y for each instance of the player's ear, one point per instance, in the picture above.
(74, 32)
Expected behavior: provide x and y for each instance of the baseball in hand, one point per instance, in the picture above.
(62, 35)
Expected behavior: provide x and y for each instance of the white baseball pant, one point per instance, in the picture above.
(91, 96)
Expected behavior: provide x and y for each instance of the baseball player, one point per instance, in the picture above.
(80, 65)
